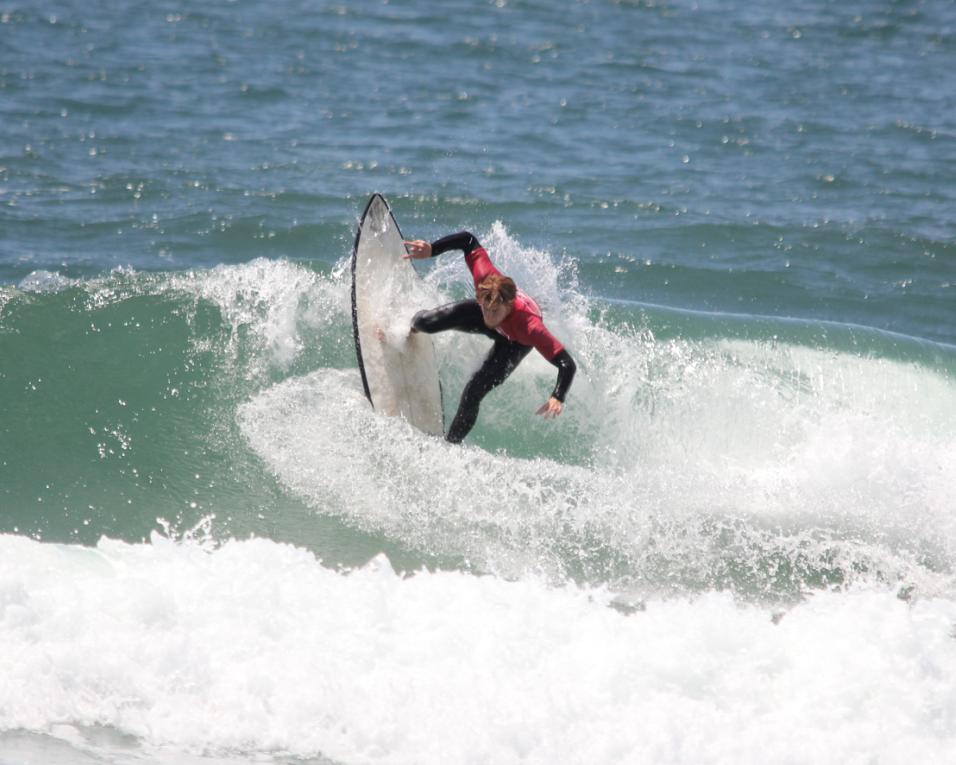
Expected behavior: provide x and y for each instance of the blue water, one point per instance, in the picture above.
(739, 219)
(798, 156)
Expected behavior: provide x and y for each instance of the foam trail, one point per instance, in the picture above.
(684, 526)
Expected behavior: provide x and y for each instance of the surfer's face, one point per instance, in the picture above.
(493, 312)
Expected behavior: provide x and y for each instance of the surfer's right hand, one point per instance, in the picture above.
(417, 249)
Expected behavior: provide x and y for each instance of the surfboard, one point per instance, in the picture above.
(399, 374)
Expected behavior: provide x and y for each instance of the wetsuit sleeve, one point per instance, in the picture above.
(476, 257)
(566, 369)
(463, 240)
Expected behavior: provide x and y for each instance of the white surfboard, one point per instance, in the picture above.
(400, 375)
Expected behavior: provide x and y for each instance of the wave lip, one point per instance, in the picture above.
(45, 281)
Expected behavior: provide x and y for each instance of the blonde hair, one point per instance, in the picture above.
(497, 289)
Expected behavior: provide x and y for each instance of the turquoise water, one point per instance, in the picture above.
(738, 219)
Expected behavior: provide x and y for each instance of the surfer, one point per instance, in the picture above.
(501, 312)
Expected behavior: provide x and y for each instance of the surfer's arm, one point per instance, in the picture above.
(534, 333)
(566, 368)
(476, 257)
(463, 240)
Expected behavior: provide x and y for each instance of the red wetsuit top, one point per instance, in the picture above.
(523, 324)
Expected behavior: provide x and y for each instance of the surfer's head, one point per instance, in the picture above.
(496, 296)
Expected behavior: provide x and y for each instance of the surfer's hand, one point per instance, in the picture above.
(418, 249)
(550, 409)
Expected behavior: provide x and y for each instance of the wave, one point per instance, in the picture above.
(768, 457)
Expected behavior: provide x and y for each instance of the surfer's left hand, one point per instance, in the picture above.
(550, 409)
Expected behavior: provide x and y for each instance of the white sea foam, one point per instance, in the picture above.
(703, 519)
(256, 649)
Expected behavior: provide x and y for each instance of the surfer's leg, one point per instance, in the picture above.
(499, 363)
(465, 316)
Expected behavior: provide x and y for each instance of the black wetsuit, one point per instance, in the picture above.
(506, 353)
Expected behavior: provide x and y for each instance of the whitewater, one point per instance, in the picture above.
(255, 649)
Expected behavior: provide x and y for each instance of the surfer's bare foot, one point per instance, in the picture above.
(380, 334)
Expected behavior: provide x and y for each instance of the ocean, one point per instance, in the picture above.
(736, 545)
